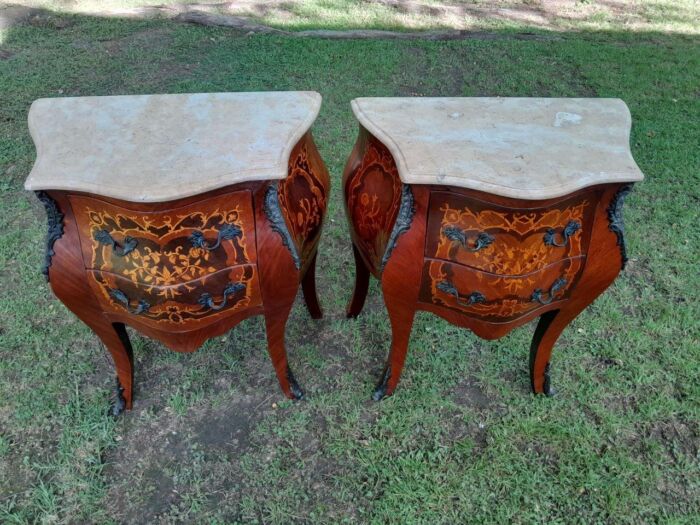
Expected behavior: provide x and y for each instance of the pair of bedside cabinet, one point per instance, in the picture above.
(182, 215)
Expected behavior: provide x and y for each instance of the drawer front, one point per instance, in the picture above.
(170, 247)
(494, 297)
(506, 241)
(179, 306)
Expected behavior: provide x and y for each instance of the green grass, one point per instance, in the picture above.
(679, 16)
(211, 439)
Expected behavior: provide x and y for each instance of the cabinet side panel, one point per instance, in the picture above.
(303, 196)
(372, 190)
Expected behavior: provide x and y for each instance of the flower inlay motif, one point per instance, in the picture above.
(164, 255)
(518, 246)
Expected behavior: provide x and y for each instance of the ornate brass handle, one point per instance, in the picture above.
(207, 301)
(119, 296)
(537, 294)
(473, 298)
(455, 234)
(103, 237)
(570, 228)
(226, 233)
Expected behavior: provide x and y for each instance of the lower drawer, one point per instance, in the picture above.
(496, 298)
(183, 306)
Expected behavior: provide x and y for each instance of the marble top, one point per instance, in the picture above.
(530, 148)
(155, 148)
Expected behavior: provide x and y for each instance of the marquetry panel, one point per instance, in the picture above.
(303, 197)
(495, 297)
(373, 197)
(181, 306)
(507, 241)
(170, 247)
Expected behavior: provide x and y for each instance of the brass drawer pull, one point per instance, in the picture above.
(551, 234)
(473, 298)
(226, 233)
(119, 296)
(556, 287)
(455, 234)
(103, 237)
(207, 301)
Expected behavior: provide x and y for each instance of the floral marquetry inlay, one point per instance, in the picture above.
(373, 196)
(518, 242)
(176, 262)
(229, 290)
(167, 248)
(303, 199)
(504, 298)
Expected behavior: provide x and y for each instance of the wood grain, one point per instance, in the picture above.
(372, 198)
(517, 244)
(166, 271)
(492, 290)
(505, 298)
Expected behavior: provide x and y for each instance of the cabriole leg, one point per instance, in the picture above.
(308, 286)
(359, 294)
(116, 339)
(274, 326)
(548, 330)
(401, 317)
(539, 356)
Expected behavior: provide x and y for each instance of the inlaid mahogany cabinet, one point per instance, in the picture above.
(180, 215)
(488, 212)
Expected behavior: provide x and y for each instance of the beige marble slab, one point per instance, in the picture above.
(530, 148)
(155, 148)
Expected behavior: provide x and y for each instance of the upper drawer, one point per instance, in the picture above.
(167, 247)
(507, 241)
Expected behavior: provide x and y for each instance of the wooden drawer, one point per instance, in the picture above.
(169, 247)
(181, 306)
(506, 241)
(495, 297)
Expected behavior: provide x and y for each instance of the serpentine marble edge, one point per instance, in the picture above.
(156, 148)
(528, 148)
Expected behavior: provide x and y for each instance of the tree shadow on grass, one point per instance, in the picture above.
(337, 455)
(405, 15)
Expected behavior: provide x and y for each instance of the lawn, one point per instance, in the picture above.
(211, 438)
(679, 16)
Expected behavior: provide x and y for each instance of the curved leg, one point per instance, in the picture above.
(308, 287)
(116, 339)
(548, 330)
(359, 294)
(69, 284)
(401, 316)
(599, 273)
(401, 280)
(279, 283)
(275, 323)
